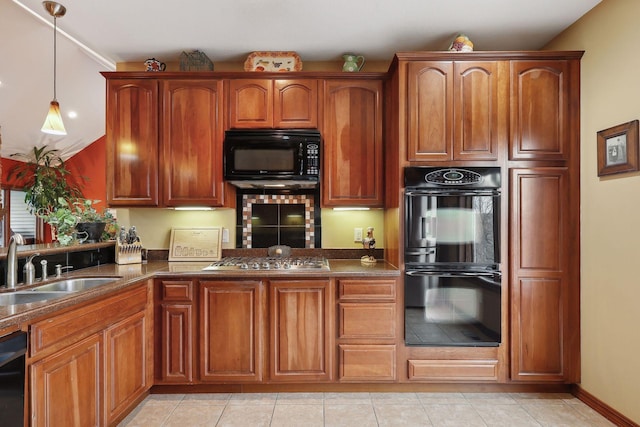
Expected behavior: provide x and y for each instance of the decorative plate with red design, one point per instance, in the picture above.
(273, 61)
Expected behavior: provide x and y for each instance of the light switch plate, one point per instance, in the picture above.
(225, 235)
(357, 235)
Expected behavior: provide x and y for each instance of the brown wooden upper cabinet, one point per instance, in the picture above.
(192, 135)
(456, 110)
(132, 142)
(541, 121)
(164, 141)
(266, 103)
(352, 138)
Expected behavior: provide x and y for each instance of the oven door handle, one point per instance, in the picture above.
(452, 274)
(485, 276)
(458, 193)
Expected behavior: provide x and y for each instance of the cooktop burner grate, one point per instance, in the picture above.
(270, 263)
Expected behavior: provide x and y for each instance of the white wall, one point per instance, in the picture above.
(610, 225)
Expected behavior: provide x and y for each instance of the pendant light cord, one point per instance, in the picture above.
(55, 55)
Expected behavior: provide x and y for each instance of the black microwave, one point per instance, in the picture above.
(277, 158)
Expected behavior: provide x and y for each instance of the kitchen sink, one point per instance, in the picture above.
(57, 289)
(74, 285)
(26, 297)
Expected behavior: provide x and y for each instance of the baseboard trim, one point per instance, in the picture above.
(602, 408)
(361, 387)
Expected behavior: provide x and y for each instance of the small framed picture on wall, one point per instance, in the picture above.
(618, 149)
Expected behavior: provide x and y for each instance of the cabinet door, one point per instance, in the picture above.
(175, 327)
(127, 362)
(232, 330)
(545, 303)
(352, 133)
(430, 110)
(177, 343)
(301, 330)
(456, 110)
(192, 136)
(132, 142)
(295, 103)
(541, 110)
(480, 109)
(250, 103)
(66, 387)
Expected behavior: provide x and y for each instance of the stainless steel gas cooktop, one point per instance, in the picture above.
(270, 263)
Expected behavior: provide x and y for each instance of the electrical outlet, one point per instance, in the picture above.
(225, 235)
(357, 235)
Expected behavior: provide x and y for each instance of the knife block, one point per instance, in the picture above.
(128, 253)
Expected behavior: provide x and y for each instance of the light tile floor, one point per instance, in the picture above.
(363, 409)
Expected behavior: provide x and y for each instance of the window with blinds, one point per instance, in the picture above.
(18, 218)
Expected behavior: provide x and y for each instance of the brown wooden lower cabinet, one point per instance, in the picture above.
(91, 364)
(127, 353)
(367, 320)
(177, 343)
(175, 330)
(301, 330)
(231, 330)
(66, 386)
(243, 326)
(367, 330)
(367, 362)
(453, 370)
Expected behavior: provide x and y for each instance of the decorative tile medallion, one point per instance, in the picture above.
(248, 200)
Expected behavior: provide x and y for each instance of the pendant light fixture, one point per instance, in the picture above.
(53, 123)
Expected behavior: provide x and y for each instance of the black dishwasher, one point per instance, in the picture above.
(13, 348)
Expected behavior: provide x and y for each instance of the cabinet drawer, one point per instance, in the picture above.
(176, 290)
(453, 370)
(367, 362)
(60, 331)
(367, 320)
(378, 290)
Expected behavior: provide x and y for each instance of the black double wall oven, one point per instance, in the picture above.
(452, 256)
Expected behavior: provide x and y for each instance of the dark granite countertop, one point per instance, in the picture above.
(54, 248)
(16, 315)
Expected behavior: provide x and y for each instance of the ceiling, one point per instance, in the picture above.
(95, 35)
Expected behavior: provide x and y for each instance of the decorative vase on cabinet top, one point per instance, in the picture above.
(352, 62)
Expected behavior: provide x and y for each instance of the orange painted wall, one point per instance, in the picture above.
(7, 165)
(91, 162)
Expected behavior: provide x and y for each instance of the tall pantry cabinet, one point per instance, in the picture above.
(519, 111)
(544, 218)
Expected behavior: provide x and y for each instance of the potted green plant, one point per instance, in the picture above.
(91, 221)
(78, 221)
(62, 221)
(45, 179)
(54, 194)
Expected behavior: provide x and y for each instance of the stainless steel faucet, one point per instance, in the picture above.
(12, 264)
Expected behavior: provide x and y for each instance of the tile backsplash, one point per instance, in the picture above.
(251, 225)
